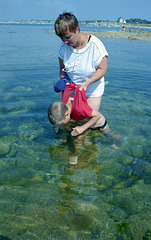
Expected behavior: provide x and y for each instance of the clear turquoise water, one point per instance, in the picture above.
(107, 194)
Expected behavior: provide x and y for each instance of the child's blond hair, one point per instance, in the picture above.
(56, 112)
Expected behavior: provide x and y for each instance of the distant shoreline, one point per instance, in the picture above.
(133, 31)
(82, 23)
(119, 25)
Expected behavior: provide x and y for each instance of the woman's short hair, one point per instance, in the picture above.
(66, 22)
(56, 112)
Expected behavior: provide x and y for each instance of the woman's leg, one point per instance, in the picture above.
(101, 124)
(95, 102)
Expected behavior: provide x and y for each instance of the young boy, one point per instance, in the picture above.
(77, 108)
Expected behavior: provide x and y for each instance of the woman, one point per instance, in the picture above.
(82, 58)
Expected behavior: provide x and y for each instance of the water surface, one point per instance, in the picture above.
(107, 194)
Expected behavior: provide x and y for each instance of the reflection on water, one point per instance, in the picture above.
(106, 195)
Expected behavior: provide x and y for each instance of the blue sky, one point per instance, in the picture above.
(83, 9)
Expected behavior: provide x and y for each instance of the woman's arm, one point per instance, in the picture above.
(100, 72)
(62, 74)
(80, 129)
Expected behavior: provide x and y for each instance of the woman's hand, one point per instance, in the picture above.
(85, 85)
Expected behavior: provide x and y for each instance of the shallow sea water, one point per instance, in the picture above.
(107, 194)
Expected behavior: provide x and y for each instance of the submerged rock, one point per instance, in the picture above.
(6, 145)
(30, 130)
(13, 151)
(15, 176)
(21, 107)
(21, 88)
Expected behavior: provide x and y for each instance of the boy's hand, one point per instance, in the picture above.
(76, 131)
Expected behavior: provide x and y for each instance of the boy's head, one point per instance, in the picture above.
(66, 22)
(58, 113)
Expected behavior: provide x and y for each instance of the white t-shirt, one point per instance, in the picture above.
(81, 64)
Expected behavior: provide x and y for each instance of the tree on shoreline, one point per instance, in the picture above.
(138, 20)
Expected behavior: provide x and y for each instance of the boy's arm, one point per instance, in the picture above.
(80, 129)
